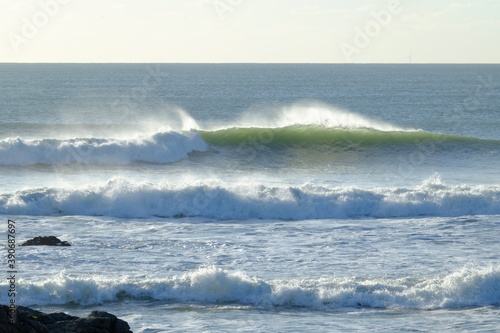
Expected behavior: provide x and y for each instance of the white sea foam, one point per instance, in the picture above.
(215, 199)
(162, 147)
(463, 288)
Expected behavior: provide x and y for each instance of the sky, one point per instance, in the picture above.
(250, 31)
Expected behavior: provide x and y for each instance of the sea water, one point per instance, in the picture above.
(256, 198)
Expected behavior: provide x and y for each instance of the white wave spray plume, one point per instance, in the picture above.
(313, 113)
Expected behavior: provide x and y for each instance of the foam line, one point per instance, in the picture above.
(121, 198)
(162, 147)
(462, 288)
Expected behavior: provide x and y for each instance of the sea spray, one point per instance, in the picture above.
(311, 113)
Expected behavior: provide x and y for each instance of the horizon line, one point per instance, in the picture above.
(261, 63)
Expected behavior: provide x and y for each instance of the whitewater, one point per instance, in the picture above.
(256, 198)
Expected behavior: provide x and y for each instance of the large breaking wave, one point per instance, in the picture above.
(167, 147)
(219, 200)
(304, 127)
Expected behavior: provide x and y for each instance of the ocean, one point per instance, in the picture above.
(255, 197)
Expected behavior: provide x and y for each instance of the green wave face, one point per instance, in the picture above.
(314, 137)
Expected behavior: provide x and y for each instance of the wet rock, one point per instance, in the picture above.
(31, 321)
(45, 240)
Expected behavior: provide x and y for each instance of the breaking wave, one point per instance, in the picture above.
(162, 147)
(121, 198)
(463, 288)
(168, 147)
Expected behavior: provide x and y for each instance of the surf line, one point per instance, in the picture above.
(12, 270)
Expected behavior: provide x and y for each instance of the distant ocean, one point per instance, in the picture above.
(256, 197)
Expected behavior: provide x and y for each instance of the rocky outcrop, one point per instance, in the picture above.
(45, 240)
(26, 320)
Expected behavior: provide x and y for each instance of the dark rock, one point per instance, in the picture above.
(45, 240)
(44, 318)
(31, 321)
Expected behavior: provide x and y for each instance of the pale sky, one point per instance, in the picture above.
(262, 31)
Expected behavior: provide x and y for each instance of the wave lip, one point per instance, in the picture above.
(162, 147)
(463, 288)
(121, 198)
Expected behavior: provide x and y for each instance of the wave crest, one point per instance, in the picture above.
(463, 288)
(121, 198)
(162, 147)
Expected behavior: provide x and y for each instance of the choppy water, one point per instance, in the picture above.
(285, 198)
